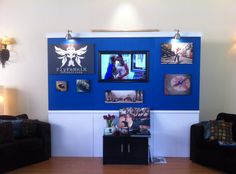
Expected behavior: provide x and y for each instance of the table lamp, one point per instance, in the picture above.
(1, 100)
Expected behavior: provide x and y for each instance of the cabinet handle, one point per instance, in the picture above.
(128, 148)
(121, 148)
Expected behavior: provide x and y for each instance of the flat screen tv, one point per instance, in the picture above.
(122, 66)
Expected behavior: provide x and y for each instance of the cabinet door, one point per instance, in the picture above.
(113, 150)
(137, 150)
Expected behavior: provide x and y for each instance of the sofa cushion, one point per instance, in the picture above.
(221, 131)
(22, 128)
(6, 135)
(228, 117)
(16, 127)
(29, 128)
(207, 132)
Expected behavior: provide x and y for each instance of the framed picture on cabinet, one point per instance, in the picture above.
(177, 53)
(177, 84)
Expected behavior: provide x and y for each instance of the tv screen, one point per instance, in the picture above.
(123, 66)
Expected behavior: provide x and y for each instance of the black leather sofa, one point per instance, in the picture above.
(28, 142)
(210, 153)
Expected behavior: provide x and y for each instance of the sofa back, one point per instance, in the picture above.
(11, 117)
(226, 117)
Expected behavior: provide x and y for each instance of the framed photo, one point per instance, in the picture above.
(123, 96)
(177, 53)
(123, 66)
(177, 84)
(82, 85)
(61, 86)
(71, 59)
(137, 119)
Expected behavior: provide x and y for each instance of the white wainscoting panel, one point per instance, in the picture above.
(171, 132)
(72, 133)
(99, 130)
(79, 133)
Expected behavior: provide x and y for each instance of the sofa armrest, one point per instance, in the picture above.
(44, 132)
(197, 131)
(196, 136)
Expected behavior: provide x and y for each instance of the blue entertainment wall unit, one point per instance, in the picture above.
(153, 89)
(170, 88)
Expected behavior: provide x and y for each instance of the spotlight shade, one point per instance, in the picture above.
(177, 35)
(68, 35)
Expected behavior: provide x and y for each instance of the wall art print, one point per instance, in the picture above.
(177, 53)
(123, 96)
(136, 118)
(82, 85)
(61, 86)
(71, 59)
(177, 84)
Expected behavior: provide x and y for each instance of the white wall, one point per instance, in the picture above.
(28, 21)
(80, 133)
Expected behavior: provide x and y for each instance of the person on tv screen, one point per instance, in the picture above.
(122, 69)
(111, 69)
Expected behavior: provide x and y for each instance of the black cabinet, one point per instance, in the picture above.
(125, 150)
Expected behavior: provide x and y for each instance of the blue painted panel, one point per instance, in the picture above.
(153, 89)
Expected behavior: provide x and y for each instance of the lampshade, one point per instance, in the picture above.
(1, 100)
(8, 102)
(7, 41)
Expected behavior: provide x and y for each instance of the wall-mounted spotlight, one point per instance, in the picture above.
(68, 35)
(177, 35)
(4, 52)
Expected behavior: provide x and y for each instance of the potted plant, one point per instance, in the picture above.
(109, 121)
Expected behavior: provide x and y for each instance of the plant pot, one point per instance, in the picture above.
(108, 130)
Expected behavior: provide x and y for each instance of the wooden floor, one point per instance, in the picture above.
(63, 165)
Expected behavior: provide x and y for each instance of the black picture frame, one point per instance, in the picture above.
(136, 61)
